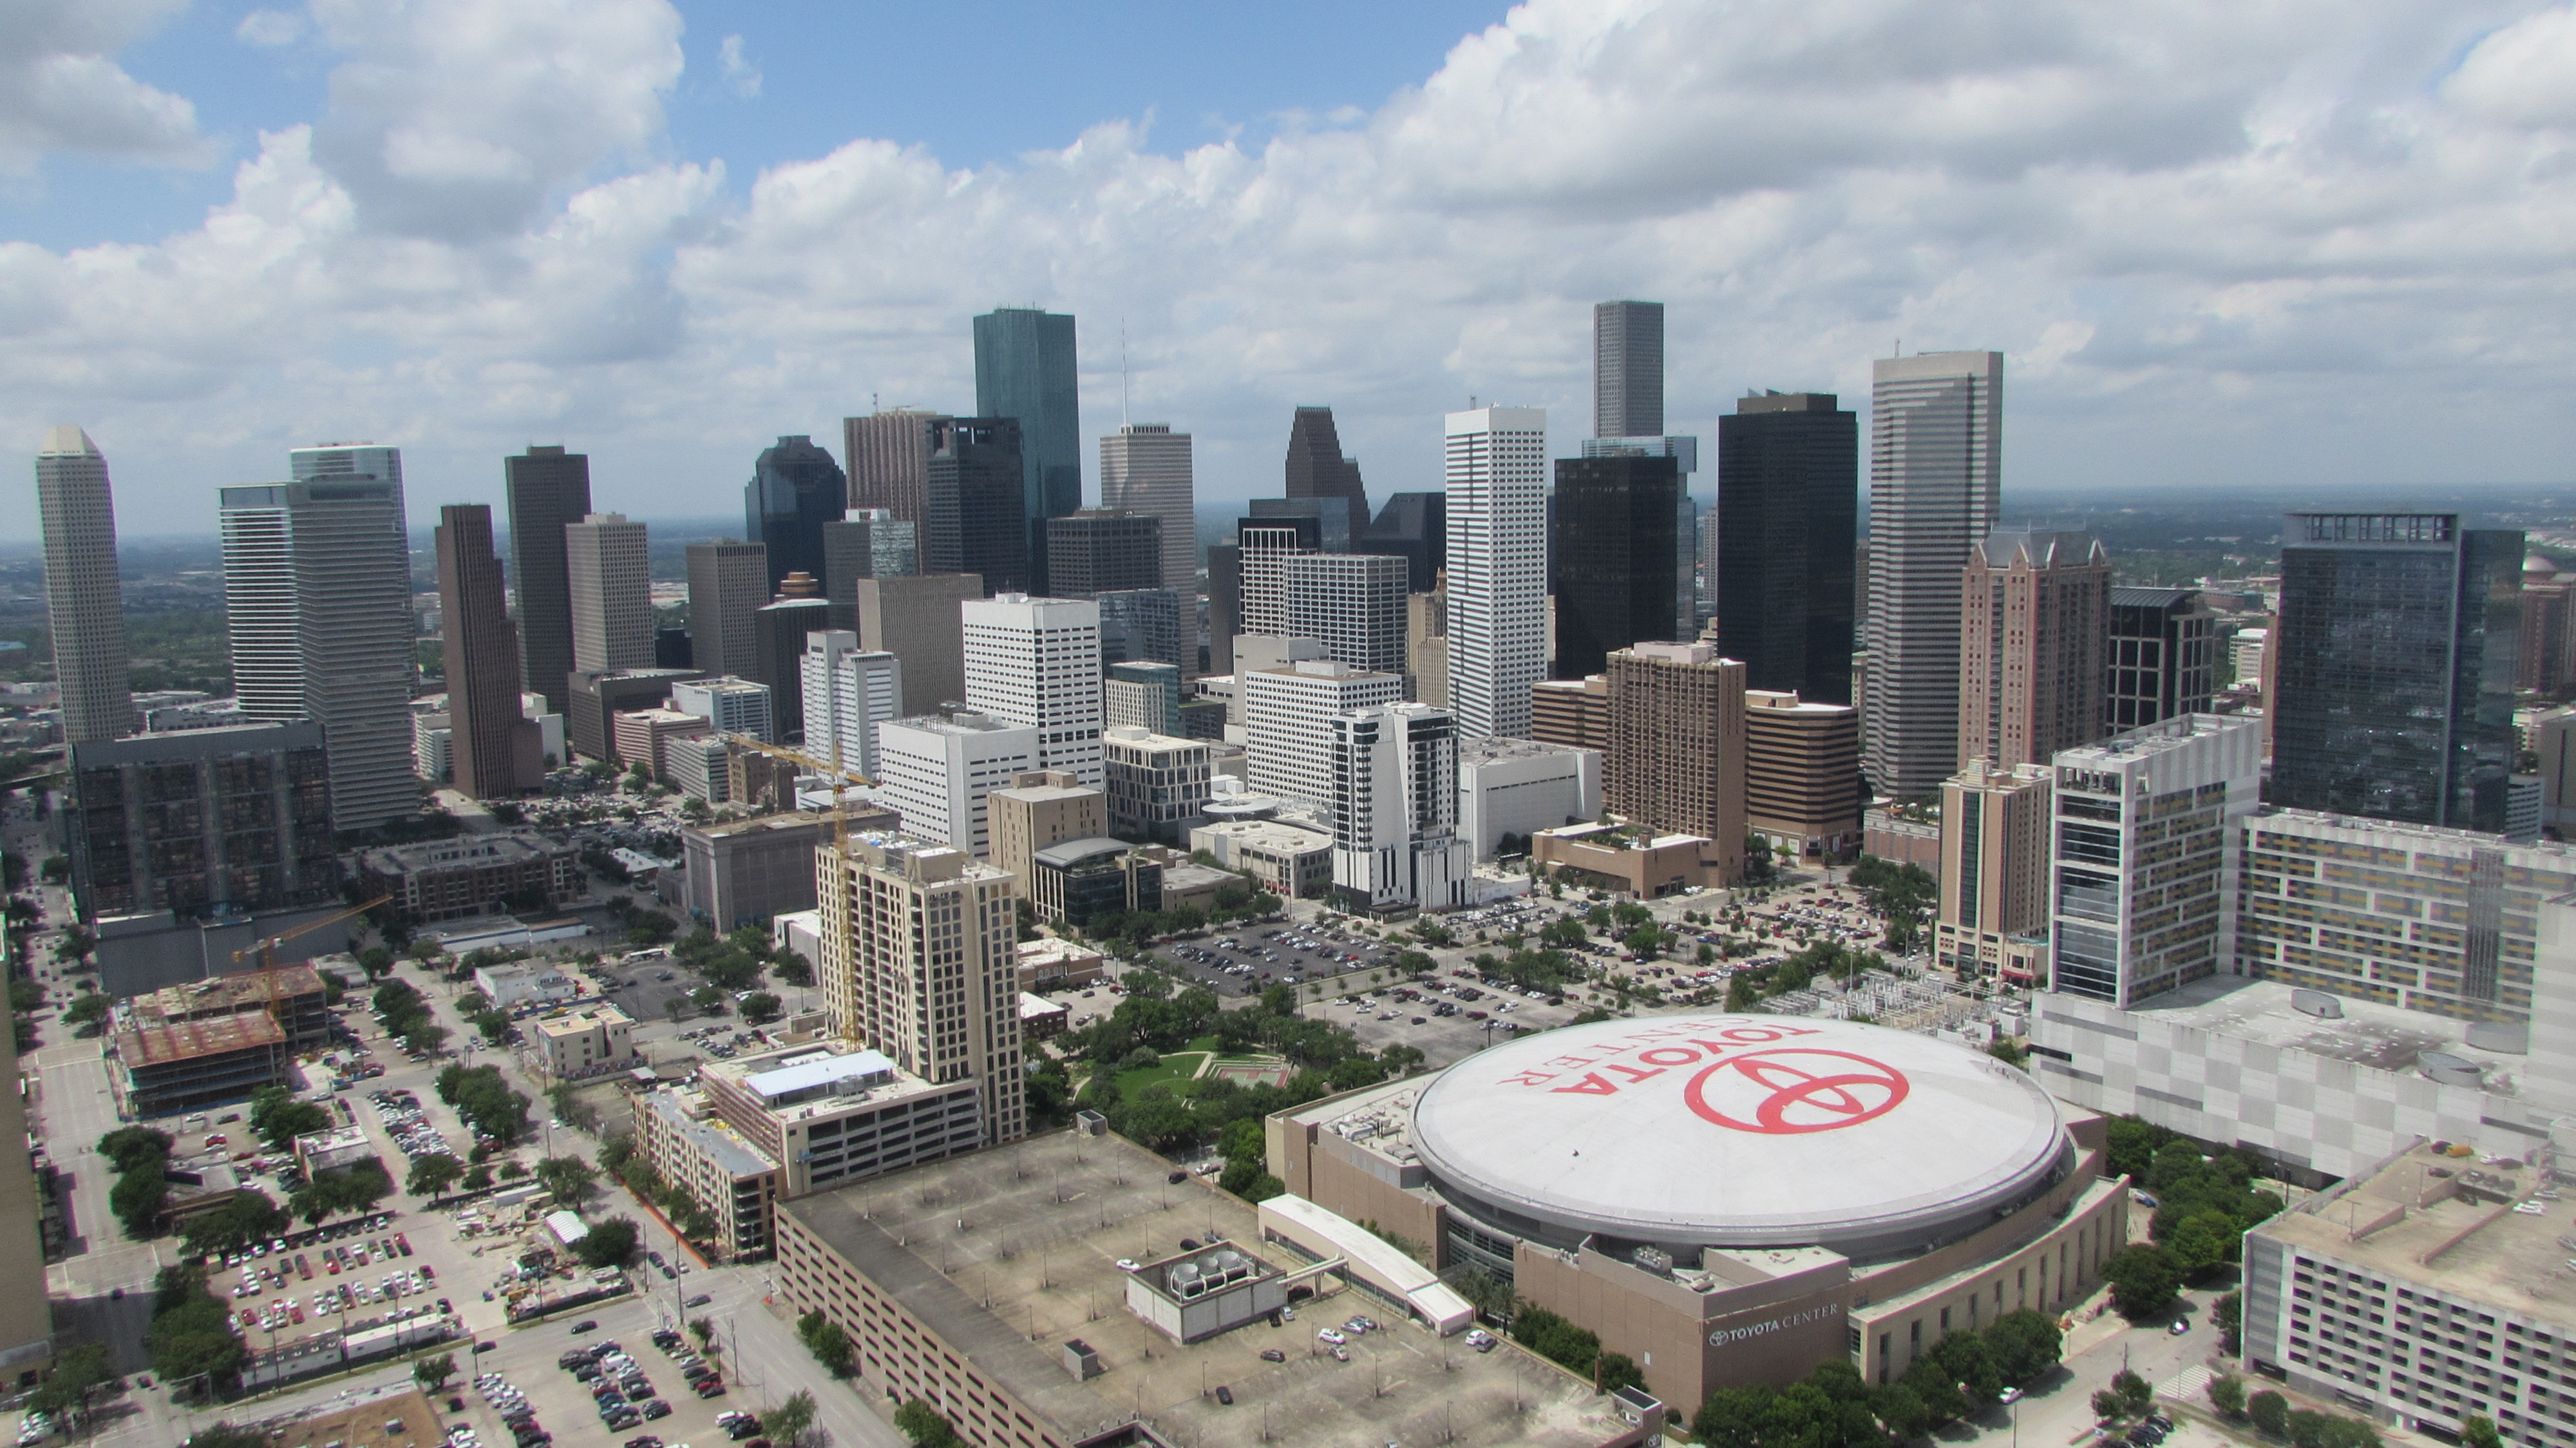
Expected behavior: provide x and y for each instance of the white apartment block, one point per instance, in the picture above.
(1351, 603)
(1288, 738)
(849, 693)
(935, 770)
(1145, 468)
(612, 593)
(2144, 823)
(920, 962)
(1519, 787)
(1036, 662)
(1157, 785)
(1496, 471)
(729, 705)
(700, 768)
(586, 1042)
(1395, 810)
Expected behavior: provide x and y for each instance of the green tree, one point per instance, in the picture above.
(611, 1243)
(829, 1344)
(137, 1199)
(86, 1009)
(704, 1330)
(65, 1392)
(921, 1423)
(1616, 1370)
(2479, 1431)
(566, 1178)
(1733, 1417)
(2025, 1344)
(2143, 1281)
(2206, 1240)
(277, 1118)
(433, 1373)
(2270, 1412)
(2227, 1395)
(2229, 1313)
(248, 1218)
(2136, 1395)
(787, 1424)
(761, 1007)
(2010, 1052)
(433, 1174)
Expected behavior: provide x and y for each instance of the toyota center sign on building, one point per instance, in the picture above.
(1730, 1199)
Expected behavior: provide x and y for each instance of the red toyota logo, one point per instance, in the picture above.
(1794, 1090)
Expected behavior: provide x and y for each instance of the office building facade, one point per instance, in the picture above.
(317, 602)
(779, 633)
(1997, 823)
(1496, 468)
(229, 821)
(870, 543)
(548, 488)
(729, 705)
(976, 520)
(494, 750)
(1517, 787)
(1675, 759)
(1935, 483)
(1157, 785)
(1415, 528)
(795, 489)
(1288, 739)
(1146, 625)
(1777, 549)
(1036, 662)
(1025, 369)
(2033, 618)
(597, 700)
(888, 452)
(2161, 657)
(2394, 664)
(607, 569)
(1351, 603)
(1316, 468)
(849, 691)
(1801, 774)
(728, 583)
(1091, 551)
(1034, 810)
(920, 621)
(1612, 557)
(1142, 694)
(1145, 468)
(936, 770)
(1627, 369)
(84, 597)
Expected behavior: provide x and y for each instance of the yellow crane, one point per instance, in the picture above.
(265, 949)
(830, 768)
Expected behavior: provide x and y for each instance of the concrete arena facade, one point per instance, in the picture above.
(1730, 1199)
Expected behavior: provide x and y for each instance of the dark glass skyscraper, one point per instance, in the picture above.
(1414, 527)
(494, 748)
(1788, 503)
(2162, 657)
(548, 488)
(1025, 370)
(976, 521)
(2394, 690)
(1317, 468)
(1614, 558)
(794, 490)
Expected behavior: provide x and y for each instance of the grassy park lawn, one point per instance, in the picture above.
(1177, 1067)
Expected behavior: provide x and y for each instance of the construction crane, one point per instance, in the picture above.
(266, 950)
(830, 768)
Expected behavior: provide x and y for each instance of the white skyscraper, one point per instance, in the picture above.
(1145, 468)
(849, 691)
(1352, 604)
(84, 600)
(317, 598)
(1287, 714)
(937, 769)
(606, 562)
(1497, 507)
(1036, 661)
(1395, 816)
(1935, 482)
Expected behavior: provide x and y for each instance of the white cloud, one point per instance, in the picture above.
(2278, 246)
(739, 73)
(269, 28)
(61, 89)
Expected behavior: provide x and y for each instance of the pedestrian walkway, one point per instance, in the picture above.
(2186, 1386)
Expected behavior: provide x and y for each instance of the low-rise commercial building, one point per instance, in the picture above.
(490, 874)
(332, 1149)
(1289, 860)
(1156, 784)
(586, 1042)
(1074, 880)
(1040, 808)
(1052, 962)
(508, 987)
(829, 1115)
(1625, 857)
(734, 1186)
(1516, 787)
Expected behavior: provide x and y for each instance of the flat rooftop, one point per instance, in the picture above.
(583, 1018)
(1498, 746)
(1045, 1221)
(163, 1045)
(2367, 1034)
(774, 1080)
(2453, 1233)
(813, 1070)
(224, 995)
(715, 1140)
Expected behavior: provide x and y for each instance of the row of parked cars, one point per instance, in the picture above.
(618, 1387)
(408, 1124)
(516, 1415)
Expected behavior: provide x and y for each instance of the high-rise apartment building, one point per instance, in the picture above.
(2394, 663)
(937, 769)
(2162, 656)
(1996, 824)
(549, 488)
(2144, 825)
(849, 691)
(2033, 617)
(1778, 547)
(607, 568)
(1317, 469)
(1395, 810)
(317, 600)
(920, 962)
(1627, 369)
(1935, 483)
(1092, 551)
(1036, 661)
(728, 583)
(1288, 743)
(1675, 759)
(779, 632)
(888, 452)
(1496, 467)
(1351, 603)
(84, 599)
(1572, 712)
(1157, 785)
(1140, 693)
(1145, 468)
(795, 489)
(919, 620)
(1801, 774)
(1613, 556)
(494, 750)
(2546, 661)
(975, 520)
(870, 543)
(1025, 369)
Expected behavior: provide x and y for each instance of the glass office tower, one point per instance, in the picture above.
(1024, 369)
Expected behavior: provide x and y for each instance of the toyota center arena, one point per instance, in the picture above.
(1726, 1199)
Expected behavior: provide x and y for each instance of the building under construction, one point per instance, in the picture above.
(209, 1041)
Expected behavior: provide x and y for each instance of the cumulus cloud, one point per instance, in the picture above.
(739, 72)
(2258, 245)
(62, 90)
(269, 28)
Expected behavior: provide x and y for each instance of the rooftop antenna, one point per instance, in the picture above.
(1122, 374)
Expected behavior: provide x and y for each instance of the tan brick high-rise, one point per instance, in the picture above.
(2035, 609)
(1675, 760)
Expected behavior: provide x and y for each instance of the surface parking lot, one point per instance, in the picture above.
(1245, 961)
(523, 1369)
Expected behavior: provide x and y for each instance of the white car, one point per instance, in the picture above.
(1331, 1335)
(1127, 1264)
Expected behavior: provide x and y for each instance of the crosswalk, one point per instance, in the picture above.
(2187, 1385)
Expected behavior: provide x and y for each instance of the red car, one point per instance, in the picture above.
(711, 1388)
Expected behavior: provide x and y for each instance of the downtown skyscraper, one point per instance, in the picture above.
(317, 598)
(1628, 369)
(1614, 561)
(1788, 499)
(1496, 474)
(1025, 369)
(610, 581)
(84, 598)
(795, 489)
(1317, 468)
(1035, 662)
(1145, 468)
(548, 489)
(1935, 484)
(494, 747)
